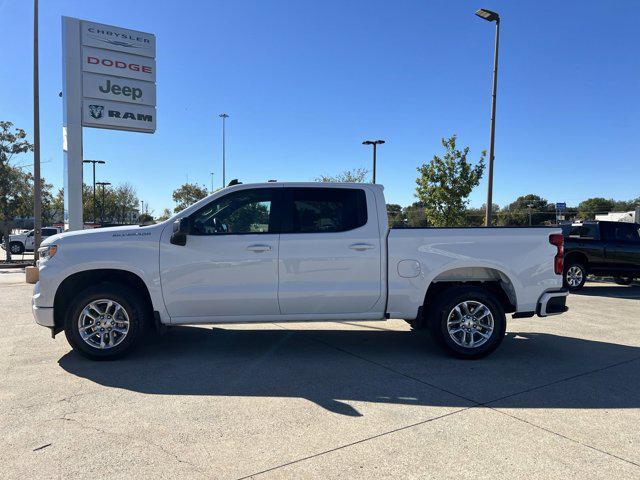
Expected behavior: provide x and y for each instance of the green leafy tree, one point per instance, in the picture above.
(166, 214)
(445, 183)
(415, 216)
(394, 214)
(588, 208)
(517, 212)
(357, 175)
(187, 195)
(13, 186)
(474, 217)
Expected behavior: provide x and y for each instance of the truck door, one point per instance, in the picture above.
(228, 266)
(623, 247)
(330, 252)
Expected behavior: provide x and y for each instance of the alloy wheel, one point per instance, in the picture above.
(103, 324)
(470, 324)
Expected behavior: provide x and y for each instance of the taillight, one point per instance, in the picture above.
(558, 262)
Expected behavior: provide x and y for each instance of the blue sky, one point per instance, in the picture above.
(305, 82)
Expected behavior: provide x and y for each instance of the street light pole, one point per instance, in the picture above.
(37, 192)
(211, 182)
(94, 183)
(102, 184)
(491, 17)
(224, 116)
(375, 143)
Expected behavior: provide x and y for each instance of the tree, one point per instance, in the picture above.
(394, 215)
(414, 215)
(145, 219)
(166, 214)
(188, 194)
(474, 217)
(445, 183)
(357, 175)
(12, 184)
(517, 212)
(588, 209)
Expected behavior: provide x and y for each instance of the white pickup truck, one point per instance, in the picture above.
(278, 252)
(24, 242)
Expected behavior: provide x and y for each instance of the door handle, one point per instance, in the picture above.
(259, 248)
(361, 247)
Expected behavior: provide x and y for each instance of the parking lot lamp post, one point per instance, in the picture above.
(223, 116)
(102, 184)
(490, 16)
(375, 143)
(94, 183)
(530, 207)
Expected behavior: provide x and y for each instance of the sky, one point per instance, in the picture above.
(304, 83)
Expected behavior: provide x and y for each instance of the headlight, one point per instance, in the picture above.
(47, 252)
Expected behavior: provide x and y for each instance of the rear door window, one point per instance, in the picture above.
(324, 210)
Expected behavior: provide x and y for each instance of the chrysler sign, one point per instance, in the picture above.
(119, 39)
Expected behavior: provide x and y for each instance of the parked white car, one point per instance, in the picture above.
(24, 242)
(279, 252)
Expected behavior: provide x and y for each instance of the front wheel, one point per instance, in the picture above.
(469, 322)
(105, 321)
(574, 276)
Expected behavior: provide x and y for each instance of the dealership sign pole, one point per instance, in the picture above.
(109, 76)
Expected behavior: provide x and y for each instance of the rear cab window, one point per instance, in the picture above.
(324, 210)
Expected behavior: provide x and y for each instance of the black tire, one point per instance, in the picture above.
(16, 248)
(623, 280)
(135, 307)
(444, 307)
(574, 276)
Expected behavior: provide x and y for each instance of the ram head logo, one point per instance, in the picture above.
(96, 111)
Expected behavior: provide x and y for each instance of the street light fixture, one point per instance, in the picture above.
(102, 184)
(375, 143)
(223, 116)
(101, 162)
(490, 16)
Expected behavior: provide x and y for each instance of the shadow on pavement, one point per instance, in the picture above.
(614, 291)
(331, 367)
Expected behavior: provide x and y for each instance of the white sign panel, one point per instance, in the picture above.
(118, 115)
(119, 39)
(107, 62)
(118, 89)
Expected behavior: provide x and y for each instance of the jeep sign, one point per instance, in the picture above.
(118, 89)
(118, 116)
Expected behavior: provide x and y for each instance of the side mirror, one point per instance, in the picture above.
(181, 228)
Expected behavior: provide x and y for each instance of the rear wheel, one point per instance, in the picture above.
(623, 280)
(574, 276)
(16, 248)
(468, 322)
(105, 321)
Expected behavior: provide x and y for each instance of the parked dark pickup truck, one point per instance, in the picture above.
(601, 248)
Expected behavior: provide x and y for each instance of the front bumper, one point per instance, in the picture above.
(43, 316)
(553, 303)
